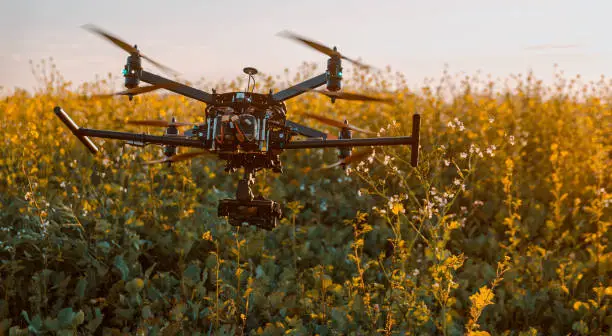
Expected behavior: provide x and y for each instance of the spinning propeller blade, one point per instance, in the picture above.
(353, 96)
(357, 157)
(179, 157)
(158, 123)
(127, 47)
(134, 91)
(336, 123)
(319, 47)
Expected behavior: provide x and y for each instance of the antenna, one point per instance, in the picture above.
(250, 71)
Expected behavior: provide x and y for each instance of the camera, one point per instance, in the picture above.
(262, 213)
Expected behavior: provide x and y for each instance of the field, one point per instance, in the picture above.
(503, 228)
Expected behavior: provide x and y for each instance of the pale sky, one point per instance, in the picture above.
(216, 39)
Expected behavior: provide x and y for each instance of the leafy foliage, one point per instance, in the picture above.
(518, 179)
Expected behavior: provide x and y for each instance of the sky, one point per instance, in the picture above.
(216, 39)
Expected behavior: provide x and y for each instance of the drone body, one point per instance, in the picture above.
(246, 129)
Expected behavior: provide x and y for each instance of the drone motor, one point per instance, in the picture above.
(132, 70)
(334, 73)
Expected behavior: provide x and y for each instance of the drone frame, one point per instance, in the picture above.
(266, 211)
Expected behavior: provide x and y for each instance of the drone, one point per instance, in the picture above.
(248, 130)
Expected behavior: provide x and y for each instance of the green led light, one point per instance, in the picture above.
(340, 73)
(124, 72)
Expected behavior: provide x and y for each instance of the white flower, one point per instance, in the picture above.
(446, 163)
(450, 124)
(359, 192)
(491, 120)
(63, 184)
(463, 155)
(459, 124)
(457, 181)
(511, 140)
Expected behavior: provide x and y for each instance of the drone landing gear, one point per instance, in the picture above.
(246, 209)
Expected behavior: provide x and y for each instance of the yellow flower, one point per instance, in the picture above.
(397, 208)
(207, 236)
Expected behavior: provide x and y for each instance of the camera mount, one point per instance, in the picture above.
(246, 209)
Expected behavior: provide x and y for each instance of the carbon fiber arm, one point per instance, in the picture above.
(300, 88)
(179, 88)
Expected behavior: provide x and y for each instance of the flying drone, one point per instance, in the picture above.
(248, 130)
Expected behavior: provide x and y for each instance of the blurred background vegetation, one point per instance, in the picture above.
(502, 229)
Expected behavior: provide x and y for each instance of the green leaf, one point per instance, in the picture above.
(35, 325)
(192, 272)
(134, 286)
(126, 314)
(104, 246)
(65, 317)
(122, 267)
(79, 318)
(149, 271)
(154, 294)
(339, 319)
(24, 314)
(259, 272)
(358, 305)
(146, 312)
(80, 288)
(95, 323)
(16, 331)
(52, 324)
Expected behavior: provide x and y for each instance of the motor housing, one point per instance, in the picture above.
(334, 73)
(132, 71)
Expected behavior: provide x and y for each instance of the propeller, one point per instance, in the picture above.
(179, 157)
(357, 157)
(135, 91)
(158, 123)
(336, 123)
(353, 96)
(320, 47)
(127, 47)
